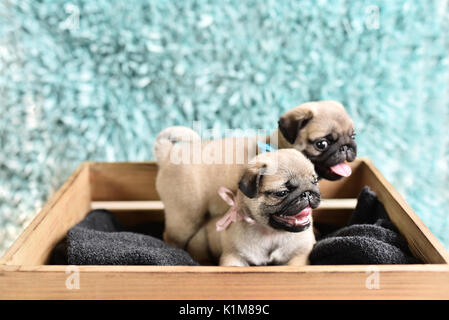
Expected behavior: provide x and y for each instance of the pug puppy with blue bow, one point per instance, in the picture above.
(269, 220)
(322, 131)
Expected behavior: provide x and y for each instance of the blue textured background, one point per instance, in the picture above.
(103, 88)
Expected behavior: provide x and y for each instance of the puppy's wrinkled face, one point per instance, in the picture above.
(284, 198)
(324, 133)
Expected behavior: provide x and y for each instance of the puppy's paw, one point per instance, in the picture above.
(232, 260)
(300, 260)
(169, 239)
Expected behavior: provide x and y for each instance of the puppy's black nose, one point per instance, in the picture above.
(344, 148)
(305, 195)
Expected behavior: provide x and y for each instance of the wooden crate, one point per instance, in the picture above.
(25, 273)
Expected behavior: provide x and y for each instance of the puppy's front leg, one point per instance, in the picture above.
(299, 260)
(232, 260)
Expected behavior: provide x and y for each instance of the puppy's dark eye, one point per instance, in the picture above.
(322, 144)
(315, 180)
(353, 136)
(280, 194)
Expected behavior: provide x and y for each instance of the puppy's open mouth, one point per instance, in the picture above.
(301, 219)
(335, 172)
(342, 169)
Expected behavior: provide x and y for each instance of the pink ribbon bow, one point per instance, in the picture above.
(233, 214)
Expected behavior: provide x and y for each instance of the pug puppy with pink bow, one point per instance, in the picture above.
(269, 221)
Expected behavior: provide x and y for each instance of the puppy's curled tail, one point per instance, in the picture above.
(168, 137)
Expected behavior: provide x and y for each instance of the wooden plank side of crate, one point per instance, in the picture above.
(123, 181)
(135, 181)
(310, 282)
(157, 205)
(421, 241)
(334, 211)
(65, 208)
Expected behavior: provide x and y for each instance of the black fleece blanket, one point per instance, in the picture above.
(100, 239)
(369, 238)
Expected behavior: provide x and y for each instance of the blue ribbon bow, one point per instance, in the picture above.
(265, 147)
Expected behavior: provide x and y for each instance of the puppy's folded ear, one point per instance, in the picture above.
(251, 180)
(293, 121)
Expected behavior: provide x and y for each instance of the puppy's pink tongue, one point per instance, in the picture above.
(304, 213)
(342, 169)
(302, 218)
